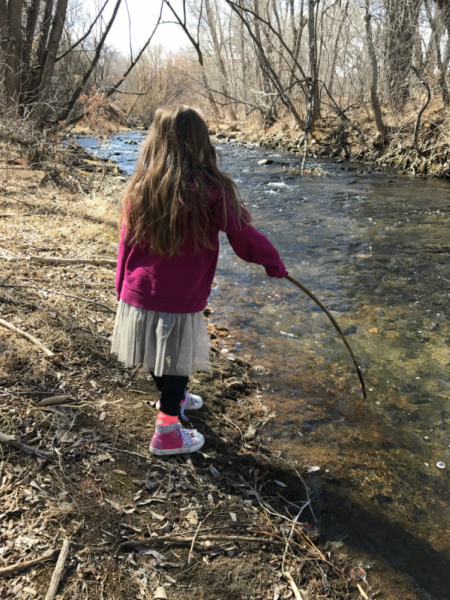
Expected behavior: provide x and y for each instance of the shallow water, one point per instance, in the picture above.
(374, 246)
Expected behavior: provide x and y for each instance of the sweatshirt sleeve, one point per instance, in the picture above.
(249, 244)
(124, 251)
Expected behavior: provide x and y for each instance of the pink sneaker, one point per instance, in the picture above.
(189, 402)
(171, 439)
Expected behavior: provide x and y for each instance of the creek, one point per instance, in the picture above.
(374, 246)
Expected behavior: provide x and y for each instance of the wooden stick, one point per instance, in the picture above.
(193, 543)
(54, 400)
(335, 323)
(64, 261)
(6, 571)
(200, 538)
(57, 573)
(35, 287)
(10, 440)
(29, 337)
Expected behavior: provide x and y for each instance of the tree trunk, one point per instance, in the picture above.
(436, 30)
(26, 75)
(444, 6)
(33, 88)
(13, 51)
(374, 80)
(401, 23)
(270, 117)
(336, 48)
(50, 55)
(313, 63)
(212, 27)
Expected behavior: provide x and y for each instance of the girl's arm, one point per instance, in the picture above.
(122, 257)
(249, 244)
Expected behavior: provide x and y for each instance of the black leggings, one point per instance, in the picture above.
(172, 388)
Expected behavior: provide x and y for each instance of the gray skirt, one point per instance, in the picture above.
(163, 343)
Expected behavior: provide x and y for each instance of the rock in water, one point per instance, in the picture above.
(265, 161)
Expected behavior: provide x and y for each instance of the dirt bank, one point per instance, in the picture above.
(229, 522)
(355, 138)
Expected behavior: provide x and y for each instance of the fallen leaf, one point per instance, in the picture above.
(104, 457)
(113, 504)
(280, 483)
(358, 574)
(214, 472)
(313, 469)
(156, 516)
(192, 517)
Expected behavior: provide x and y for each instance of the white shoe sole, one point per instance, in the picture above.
(173, 451)
(158, 406)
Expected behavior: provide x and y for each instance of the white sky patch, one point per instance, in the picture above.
(144, 15)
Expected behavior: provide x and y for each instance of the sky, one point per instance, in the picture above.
(144, 15)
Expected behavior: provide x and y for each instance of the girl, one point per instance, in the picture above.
(175, 205)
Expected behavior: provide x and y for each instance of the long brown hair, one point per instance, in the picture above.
(168, 193)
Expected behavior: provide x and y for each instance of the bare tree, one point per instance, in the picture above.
(437, 28)
(182, 22)
(374, 72)
(401, 22)
(214, 28)
(313, 67)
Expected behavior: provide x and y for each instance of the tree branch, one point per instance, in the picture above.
(77, 43)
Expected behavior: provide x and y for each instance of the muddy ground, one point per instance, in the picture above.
(234, 521)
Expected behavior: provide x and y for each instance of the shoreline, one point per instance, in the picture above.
(350, 144)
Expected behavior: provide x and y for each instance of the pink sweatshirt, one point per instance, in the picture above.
(182, 284)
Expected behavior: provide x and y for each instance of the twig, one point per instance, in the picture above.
(10, 440)
(64, 261)
(201, 538)
(29, 337)
(195, 537)
(124, 451)
(57, 573)
(54, 400)
(234, 425)
(35, 287)
(6, 571)
(422, 110)
(193, 542)
(286, 574)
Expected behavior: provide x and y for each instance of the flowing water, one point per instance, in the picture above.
(374, 246)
